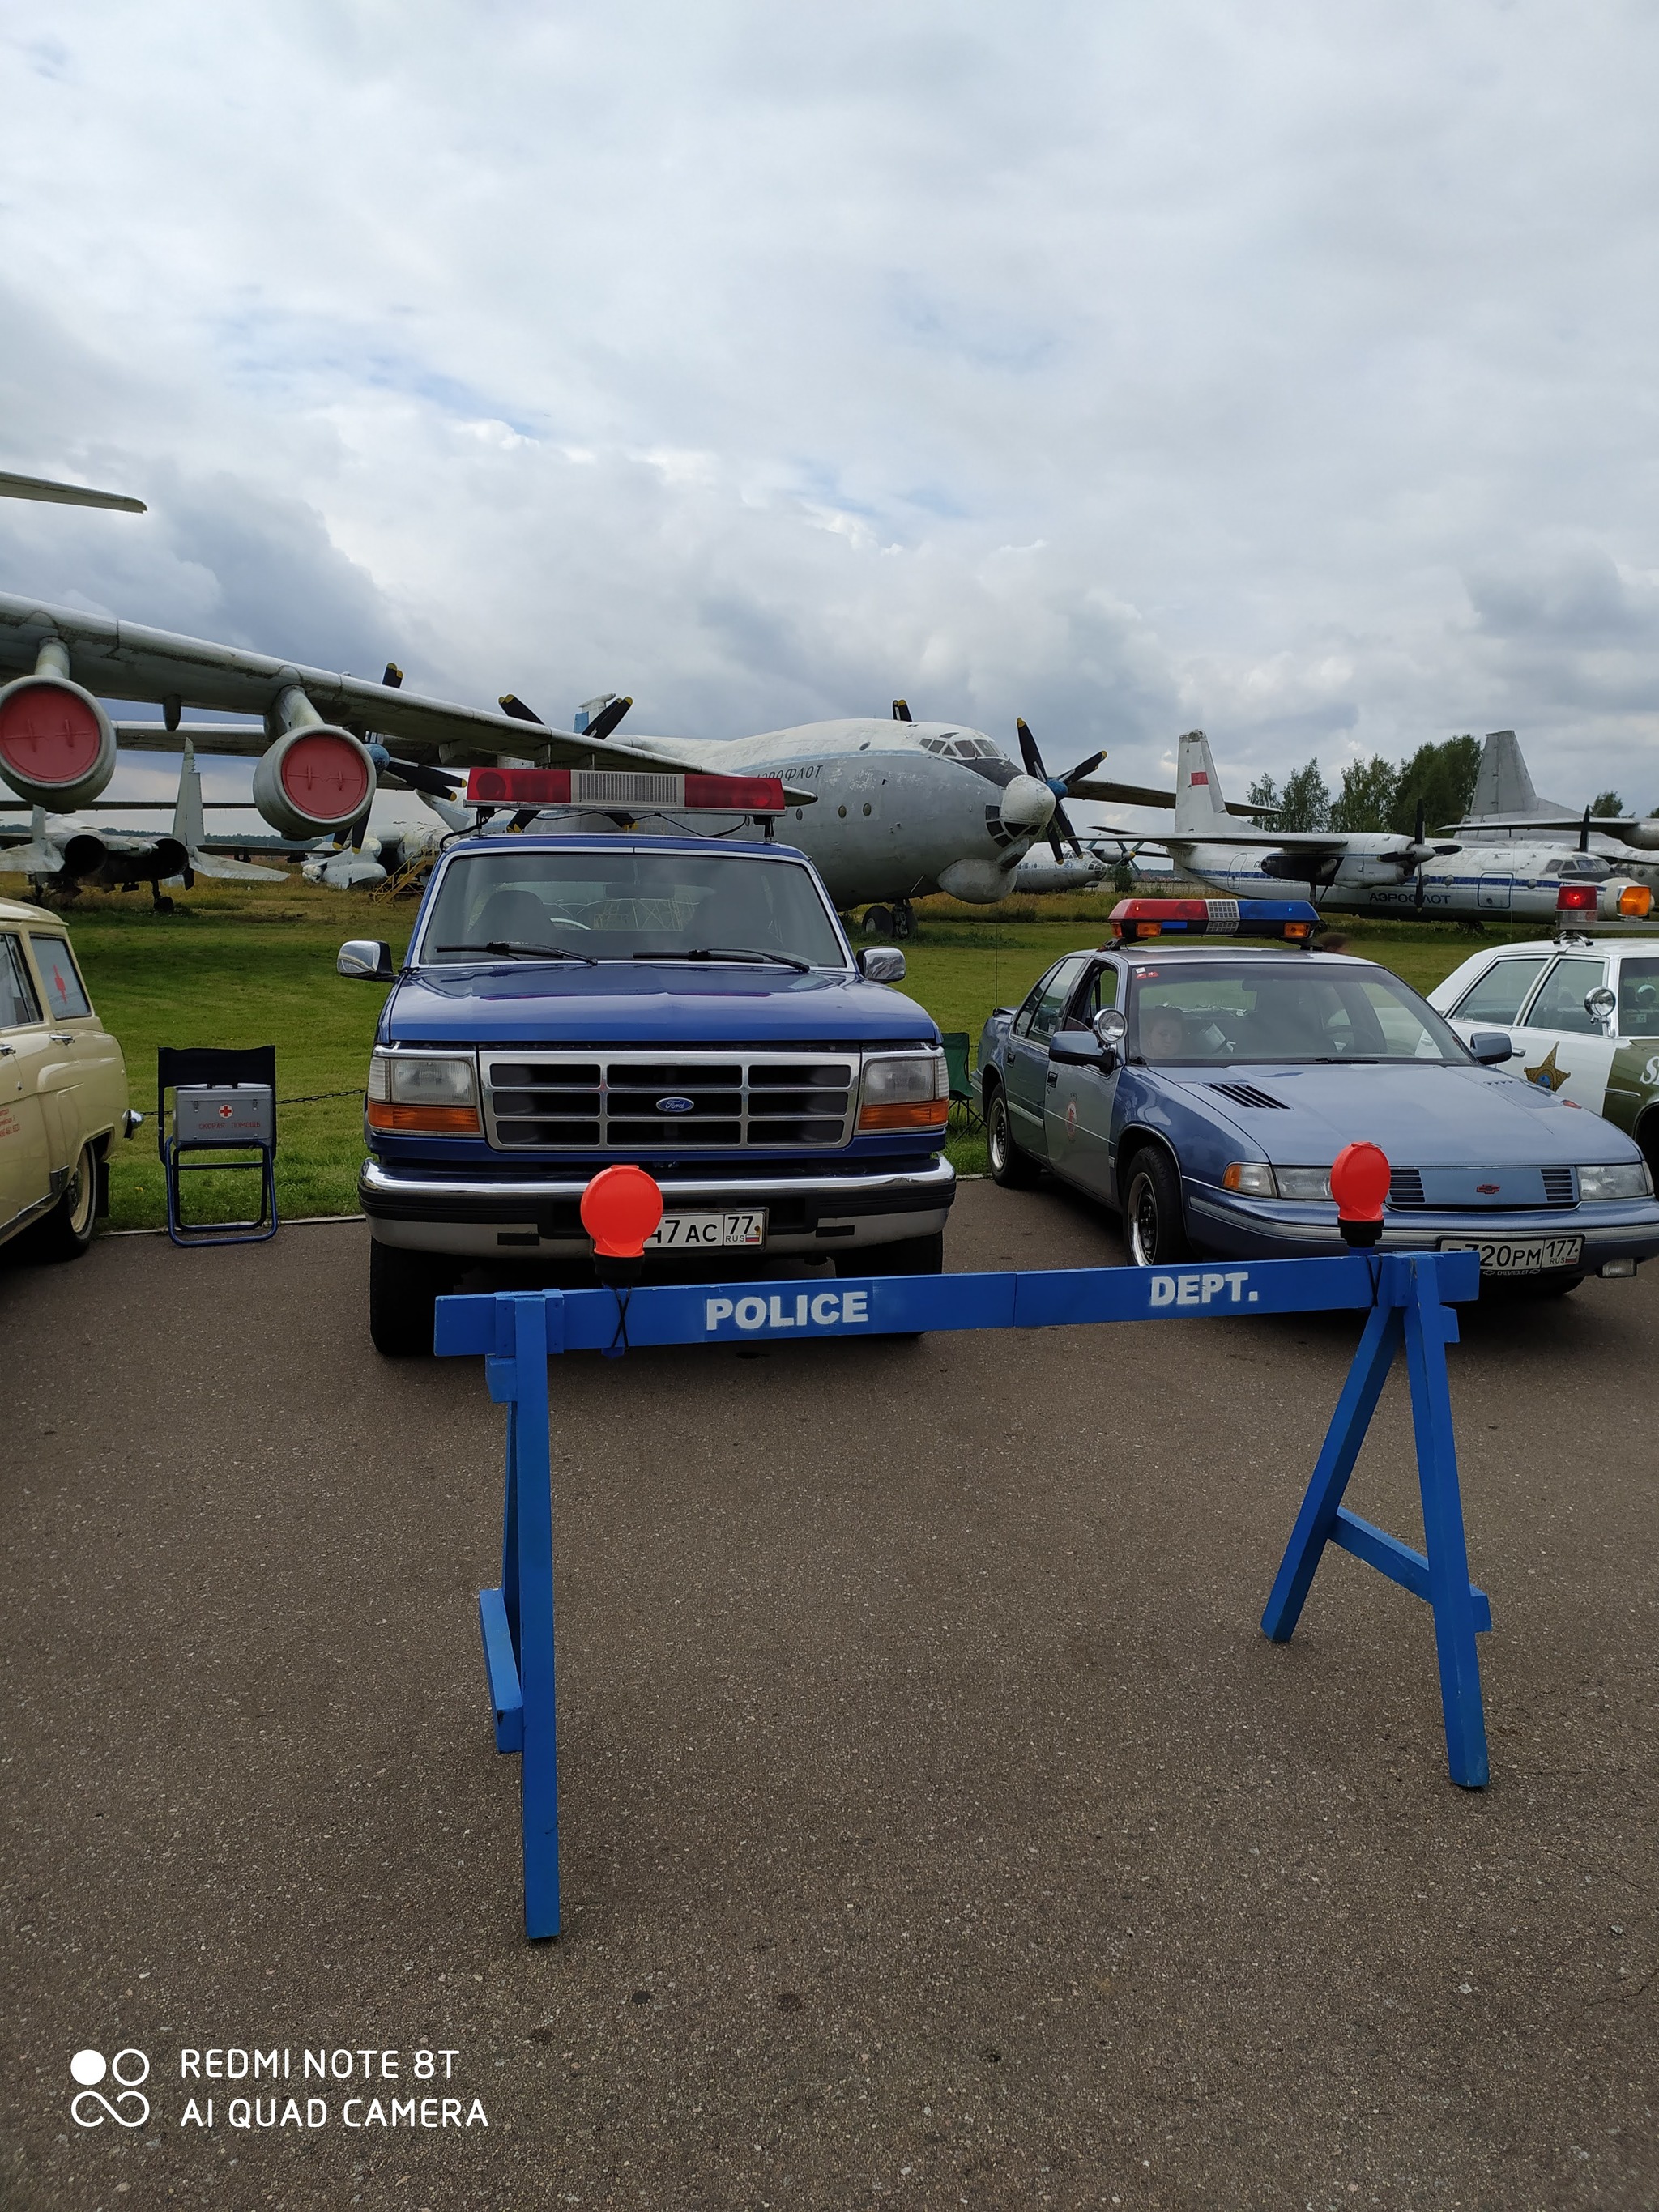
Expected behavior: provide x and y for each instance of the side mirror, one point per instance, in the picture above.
(1601, 1004)
(1490, 1047)
(881, 963)
(1076, 1049)
(366, 961)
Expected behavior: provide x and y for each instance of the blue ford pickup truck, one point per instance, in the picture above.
(570, 999)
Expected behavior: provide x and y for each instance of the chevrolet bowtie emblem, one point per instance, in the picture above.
(1547, 1075)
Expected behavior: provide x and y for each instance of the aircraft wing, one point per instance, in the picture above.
(1140, 794)
(122, 660)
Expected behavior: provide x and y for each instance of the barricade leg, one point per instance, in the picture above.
(1430, 1327)
(1316, 1522)
(534, 1500)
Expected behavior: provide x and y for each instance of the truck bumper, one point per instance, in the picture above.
(807, 1215)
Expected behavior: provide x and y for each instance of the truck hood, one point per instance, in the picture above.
(639, 1003)
(1430, 1115)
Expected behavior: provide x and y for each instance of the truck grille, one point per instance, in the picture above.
(626, 1101)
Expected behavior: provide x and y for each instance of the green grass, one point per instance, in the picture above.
(256, 966)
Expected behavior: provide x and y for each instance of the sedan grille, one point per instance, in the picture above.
(1406, 1188)
(628, 1101)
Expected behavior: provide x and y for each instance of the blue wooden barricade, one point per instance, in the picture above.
(1406, 1294)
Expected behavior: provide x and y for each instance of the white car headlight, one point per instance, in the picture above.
(1304, 1183)
(1632, 1181)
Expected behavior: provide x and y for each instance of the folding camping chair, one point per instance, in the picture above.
(964, 1105)
(224, 1099)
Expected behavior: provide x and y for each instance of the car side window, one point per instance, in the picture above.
(66, 993)
(1099, 989)
(1497, 996)
(18, 1004)
(1561, 1004)
(1040, 1016)
(1638, 997)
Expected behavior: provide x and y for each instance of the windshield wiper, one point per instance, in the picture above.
(517, 951)
(740, 952)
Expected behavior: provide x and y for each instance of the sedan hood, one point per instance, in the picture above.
(1422, 1115)
(639, 1003)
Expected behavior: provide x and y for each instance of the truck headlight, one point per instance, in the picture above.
(1633, 1180)
(1251, 1179)
(913, 1092)
(432, 1092)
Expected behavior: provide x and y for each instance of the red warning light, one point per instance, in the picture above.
(1360, 1175)
(1575, 898)
(620, 1209)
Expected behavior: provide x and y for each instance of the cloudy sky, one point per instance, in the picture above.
(1287, 370)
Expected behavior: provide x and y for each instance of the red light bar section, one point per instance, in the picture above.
(636, 789)
(1576, 898)
(1157, 909)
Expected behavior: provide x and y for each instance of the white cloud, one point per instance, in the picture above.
(1286, 372)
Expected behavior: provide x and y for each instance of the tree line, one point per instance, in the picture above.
(1382, 795)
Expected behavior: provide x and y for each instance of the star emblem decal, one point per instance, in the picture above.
(1547, 1075)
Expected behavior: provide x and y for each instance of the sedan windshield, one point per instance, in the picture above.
(728, 907)
(1279, 1010)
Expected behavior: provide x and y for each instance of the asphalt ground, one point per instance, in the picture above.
(939, 1828)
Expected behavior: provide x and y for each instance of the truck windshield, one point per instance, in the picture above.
(627, 905)
(1284, 1009)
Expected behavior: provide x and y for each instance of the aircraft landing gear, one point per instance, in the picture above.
(904, 919)
(899, 920)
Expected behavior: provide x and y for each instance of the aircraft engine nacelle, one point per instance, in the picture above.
(1306, 867)
(57, 747)
(313, 782)
(1027, 807)
(1644, 835)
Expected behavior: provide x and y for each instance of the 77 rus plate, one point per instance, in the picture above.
(1519, 1256)
(688, 1232)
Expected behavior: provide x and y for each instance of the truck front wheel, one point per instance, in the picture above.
(403, 1289)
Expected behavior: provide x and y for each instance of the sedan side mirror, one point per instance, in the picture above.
(1600, 1004)
(881, 963)
(1080, 1048)
(366, 961)
(1490, 1047)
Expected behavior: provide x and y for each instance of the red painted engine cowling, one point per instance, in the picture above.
(57, 747)
(313, 782)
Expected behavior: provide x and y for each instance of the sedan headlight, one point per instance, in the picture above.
(1303, 1183)
(1633, 1180)
(429, 1091)
(912, 1093)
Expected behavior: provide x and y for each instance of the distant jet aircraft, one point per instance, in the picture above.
(1366, 871)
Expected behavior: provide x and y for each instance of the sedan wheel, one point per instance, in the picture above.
(1152, 1212)
(1013, 1169)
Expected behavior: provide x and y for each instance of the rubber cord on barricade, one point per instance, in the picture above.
(619, 1343)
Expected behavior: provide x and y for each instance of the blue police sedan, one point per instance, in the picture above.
(1202, 1087)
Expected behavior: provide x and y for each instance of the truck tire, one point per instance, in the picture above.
(916, 1256)
(403, 1289)
(1013, 1169)
(66, 1231)
(1154, 1224)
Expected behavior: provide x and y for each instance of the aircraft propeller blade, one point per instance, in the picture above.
(900, 710)
(1418, 827)
(1583, 832)
(419, 776)
(1060, 823)
(515, 707)
(393, 678)
(606, 720)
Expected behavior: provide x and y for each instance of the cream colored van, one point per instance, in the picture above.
(63, 1089)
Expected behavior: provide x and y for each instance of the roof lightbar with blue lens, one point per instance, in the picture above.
(1293, 920)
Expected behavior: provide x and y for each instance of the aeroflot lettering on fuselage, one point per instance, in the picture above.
(790, 1310)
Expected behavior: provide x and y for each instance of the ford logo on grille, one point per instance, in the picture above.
(676, 1105)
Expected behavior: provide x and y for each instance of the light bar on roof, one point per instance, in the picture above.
(1292, 920)
(632, 787)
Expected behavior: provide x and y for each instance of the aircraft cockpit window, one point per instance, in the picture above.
(1638, 997)
(589, 904)
(17, 1001)
(1282, 1011)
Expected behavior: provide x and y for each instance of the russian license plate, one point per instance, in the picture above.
(692, 1232)
(1519, 1256)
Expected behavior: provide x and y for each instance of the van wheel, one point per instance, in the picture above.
(1153, 1220)
(916, 1256)
(403, 1289)
(1013, 1169)
(66, 1233)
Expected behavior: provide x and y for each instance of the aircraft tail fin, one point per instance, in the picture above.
(190, 830)
(1199, 801)
(1503, 785)
(40, 856)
